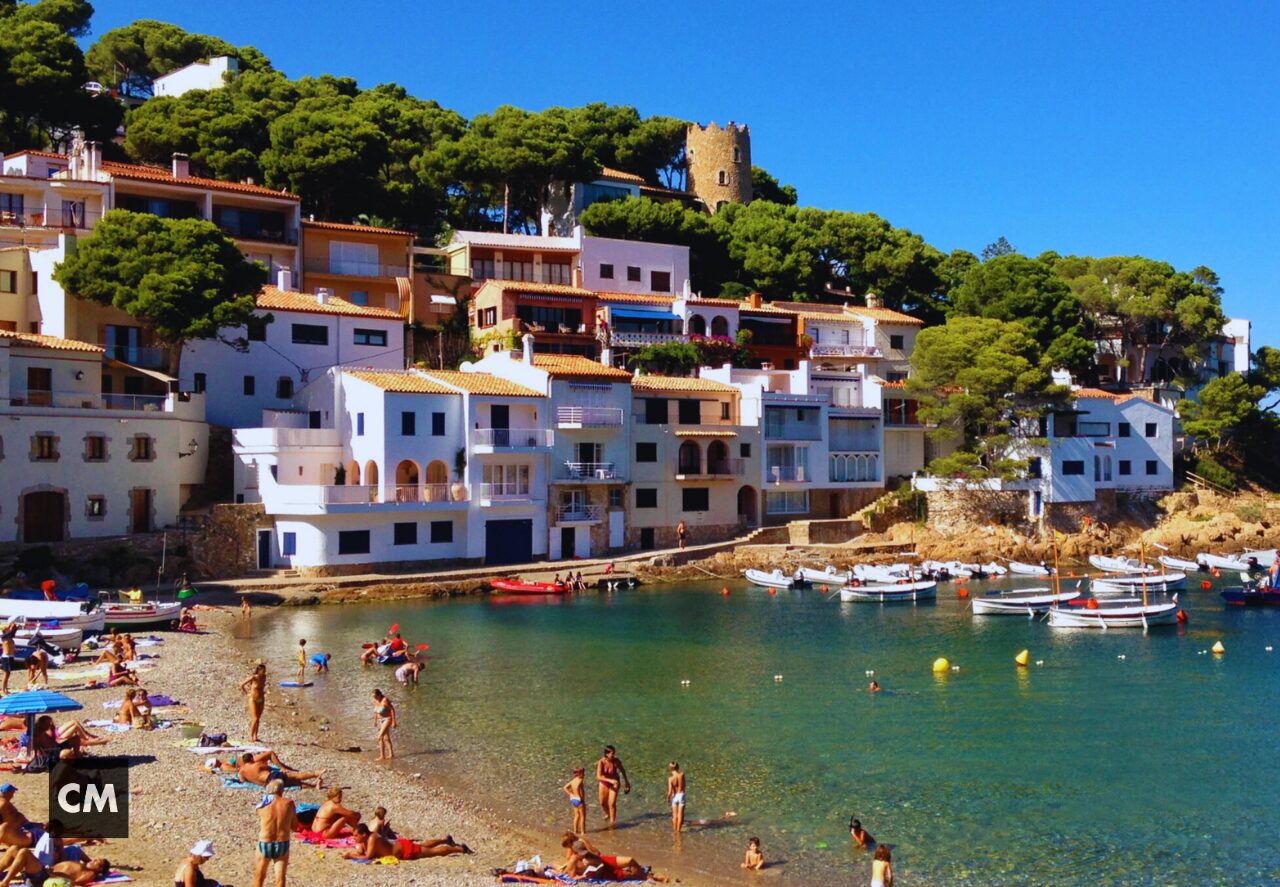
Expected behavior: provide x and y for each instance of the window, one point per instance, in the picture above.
(1073, 467)
(482, 269)
(1153, 467)
(1150, 430)
(371, 337)
(284, 388)
(1126, 467)
(896, 343)
(1035, 467)
(633, 273)
(73, 214)
(722, 177)
(646, 452)
(744, 450)
(257, 329)
(441, 531)
(787, 501)
(353, 542)
(95, 507)
(358, 297)
(248, 386)
(288, 544)
(408, 424)
(45, 448)
(310, 334)
(655, 411)
(141, 449)
(8, 281)
(359, 424)
(11, 206)
(724, 411)
(615, 497)
(606, 271)
(200, 383)
(1123, 429)
(646, 498)
(737, 154)
(437, 424)
(660, 281)
(696, 499)
(95, 448)
(406, 533)
(488, 316)
(690, 412)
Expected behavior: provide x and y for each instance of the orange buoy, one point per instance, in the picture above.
(1071, 575)
(825, 589)
(1182, 617)
(1091, 604)
(1206, 585)
(1216, 574)
(725, 591)
(962, 593)
(773, 591)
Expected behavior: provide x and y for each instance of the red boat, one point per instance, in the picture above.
(513, 586)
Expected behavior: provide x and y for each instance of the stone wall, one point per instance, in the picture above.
(227, 544)
(809, 532)
(961, 510)
(665, 537)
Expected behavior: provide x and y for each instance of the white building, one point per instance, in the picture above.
(211, 74)
(80, 463)
(632, 266)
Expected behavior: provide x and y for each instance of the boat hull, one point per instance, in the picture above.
(1020, 603)
(1020, 569)
(1219, 562)
(62, 638)
(511, 586)
(1114, 617)
(1118, 564)
(1158, 582)
(771, 580)
(130, 615)
(888, 594)
(824, 577)
(1250, 597)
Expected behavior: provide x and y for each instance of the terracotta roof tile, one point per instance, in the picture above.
(274, 299)
(481, 383)
(157, 174)
(827, 313)
(653, 298)
(764, 309)
(562, 366)
(404, 382)
(528, 286)
(35, 153)
(885, 315)
(680, 383)
(52, 342)
(726, 303)
(360, 229)
(618, 175)
(1095, 394)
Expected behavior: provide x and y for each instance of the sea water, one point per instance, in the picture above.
(1117, 757)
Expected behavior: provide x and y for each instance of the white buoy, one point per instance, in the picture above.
(1122, 656)
(955, 668)
(778, 678)
(1039, 662)
(685, 682)
(871, 671)
(1268, 649)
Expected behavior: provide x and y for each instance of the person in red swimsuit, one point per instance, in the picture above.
(609, 771)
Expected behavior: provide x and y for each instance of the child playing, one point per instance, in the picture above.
(321, 662)
(754, 859)
(577, 797)
(302, 659)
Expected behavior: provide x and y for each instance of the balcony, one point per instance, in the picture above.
(136, 355)
(350, 268)
(579, 514)
(490, 439)
(505, 493)
(854, 467)
(278, 438)
(722, 469)
(641, 340)
(430, 494)
(587, 471)
(328, 494)
(588, 417)
(54, 218)
(87, 400)
(792, 431)
(867, 351)
(782, 474)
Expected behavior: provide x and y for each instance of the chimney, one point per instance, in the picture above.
(322, 294)
(873, 301)
(687, 292)
(284, 280)
(93, 151)
(181, 165)
(527, 341)
(577, 275)
(753, 300)
(606, 356)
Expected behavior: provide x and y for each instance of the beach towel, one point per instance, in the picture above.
(526, 878)
(207, 750)
(113, 878)
(154, 701)
(237, 782)
(307, 836)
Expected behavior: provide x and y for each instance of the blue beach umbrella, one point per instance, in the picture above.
(36, 702)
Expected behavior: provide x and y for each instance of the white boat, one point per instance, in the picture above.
(776, 579)
(1151, 582)
(1235, 563)
(828, 575)
(1263, 557)
(994, 569)
(1127, 613)
(1119, 564)
(62, 638)
(874, 573)
(885, 594)
(960, 570)
(1177, 563)
(1023, 602)
(150, 613)
(60, 614)
(1039, 570)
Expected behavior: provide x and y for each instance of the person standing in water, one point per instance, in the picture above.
(882, 867)
(256, 686)
(861, 837)
(384, 717)
(609, 774)
(302, 660)
(574, 788)
(675, 796)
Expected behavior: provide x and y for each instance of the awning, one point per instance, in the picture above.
(437, 299)
(642, 314)
(155, 374)
(704, 432)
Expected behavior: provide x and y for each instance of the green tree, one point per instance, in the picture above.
(1013, 287)
(667, 222)
(1224, 407)
(1000, 247)
(1266, 374)
(766, 187)
(182, 277)
(668, 359)
(130, 58)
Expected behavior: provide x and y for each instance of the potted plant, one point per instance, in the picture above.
(340, 475)
(459, 489)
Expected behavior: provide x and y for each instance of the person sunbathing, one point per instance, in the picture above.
(370, 845)
(134, 706)
(82, 873)
(262, 768)
(113, 653)
(21, 862)
(583, 860)
(332, 819)
(69, 740)
(14, 826)
(130, 649)
(118, 675)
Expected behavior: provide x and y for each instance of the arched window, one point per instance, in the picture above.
(720, 327)
(722, 177)
(689, 458)
(697, 325)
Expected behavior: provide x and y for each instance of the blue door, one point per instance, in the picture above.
(508, 541)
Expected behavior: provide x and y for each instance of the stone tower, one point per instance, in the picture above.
(719, 163)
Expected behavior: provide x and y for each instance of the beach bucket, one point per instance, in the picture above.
(192, 731)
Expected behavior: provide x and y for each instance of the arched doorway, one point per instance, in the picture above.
(353, 473)
(697, 325)
(44, 516)
(720, 327)
(407, 481)
(717, 457)
(748, 508)
(437, 489)
(689, 458)
(371, 479)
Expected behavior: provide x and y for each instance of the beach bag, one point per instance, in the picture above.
(207, 740)
(57, 881)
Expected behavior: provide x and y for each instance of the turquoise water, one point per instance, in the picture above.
(1152, 769)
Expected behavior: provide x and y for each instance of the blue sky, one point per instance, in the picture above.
(1101, 129)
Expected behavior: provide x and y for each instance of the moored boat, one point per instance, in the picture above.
(1023, 602)
(62, 638)
(775, 579)
(828, 575)
(1119, 564)
(885, 594)
(60, 614)
(515, 586)
(1126, 613)
(1177, 563)
(1252, 594)
(1149, 581)
(1237, 563)
(148, 613)
(1020, 569)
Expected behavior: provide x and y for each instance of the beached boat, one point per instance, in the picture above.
(1253, 594)
(1023, 602)
(134, 615)
(1123, 613)
(828, 575)
(776, 579)
(1119, 564)
(935, 570)
(994, 569)
(515, 586)
(907, 592)
(1149, 581)
(62, 638)
(1177, 563)
(1020, 569)
(60, 614)
(1237, 563)
(1263, 556)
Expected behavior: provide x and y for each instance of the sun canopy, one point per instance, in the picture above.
(642, 314)
(37, 702)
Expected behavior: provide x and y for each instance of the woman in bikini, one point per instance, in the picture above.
(608, 771)
(69, 741)
(384, 718)
(118, 675)
(256, 686)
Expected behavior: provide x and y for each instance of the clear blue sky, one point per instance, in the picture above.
(1100, 129)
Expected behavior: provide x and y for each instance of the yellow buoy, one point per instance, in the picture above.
(1218, 649)
(1023, 658)
(941, 664)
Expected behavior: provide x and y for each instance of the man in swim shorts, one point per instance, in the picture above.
(278, 819)
(408, 673)
(675, 796)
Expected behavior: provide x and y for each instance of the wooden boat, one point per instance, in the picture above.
(1124, 613)
(776, 579)
(1151, 582)
(1038, 570)
(515, 586)
(828, 575)
(1177, 563)
(908, 592)
(876, 574)
(1119, 564)
(1023, 602)
(1236, 563)
(148, 613)
(1252, 594)
(60, 614)
(62, 638)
